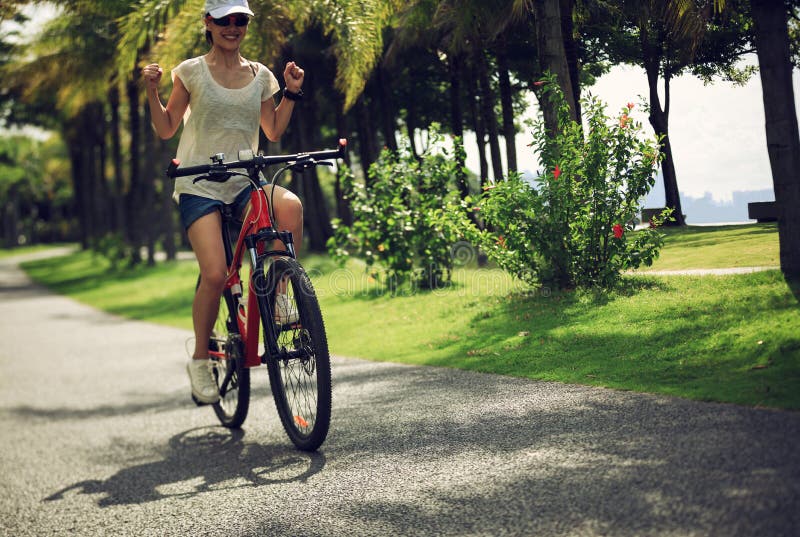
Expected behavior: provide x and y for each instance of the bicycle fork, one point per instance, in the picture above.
(260, 287)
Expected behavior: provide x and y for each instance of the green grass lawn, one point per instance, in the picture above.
(729, 338)
(700, 247)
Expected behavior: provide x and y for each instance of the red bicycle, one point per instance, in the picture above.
(276, 297)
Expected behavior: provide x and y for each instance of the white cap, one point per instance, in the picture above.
(223, 8)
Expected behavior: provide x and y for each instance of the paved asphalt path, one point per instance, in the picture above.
(98, 437)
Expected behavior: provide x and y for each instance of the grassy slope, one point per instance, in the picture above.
(725, 338)
(730, 338)
(753, 245)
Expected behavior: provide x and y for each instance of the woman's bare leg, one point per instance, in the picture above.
(205, 236)
(288, 214)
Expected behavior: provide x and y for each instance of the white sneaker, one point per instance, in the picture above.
(201, 374)
(285, 310)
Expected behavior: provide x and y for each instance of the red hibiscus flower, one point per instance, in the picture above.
(556, 172)
(618, 231)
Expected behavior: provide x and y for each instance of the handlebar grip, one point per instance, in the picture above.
(173, 166)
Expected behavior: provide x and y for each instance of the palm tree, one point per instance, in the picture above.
(468, 34)
(69, 64)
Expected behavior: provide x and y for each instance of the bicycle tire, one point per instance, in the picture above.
(234, 398)
(301, 382)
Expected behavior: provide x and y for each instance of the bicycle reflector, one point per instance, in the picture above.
(299, 420)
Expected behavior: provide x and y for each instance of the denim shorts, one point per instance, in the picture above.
(193, 207)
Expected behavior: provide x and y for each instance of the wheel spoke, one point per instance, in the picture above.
(232, 407)
(300, 374)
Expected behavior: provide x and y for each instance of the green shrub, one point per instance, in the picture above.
(114, 248)
(393, 227)
(573, 225)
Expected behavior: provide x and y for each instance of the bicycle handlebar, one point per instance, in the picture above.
(258, 161)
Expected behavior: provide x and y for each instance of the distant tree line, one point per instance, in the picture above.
(376, 69)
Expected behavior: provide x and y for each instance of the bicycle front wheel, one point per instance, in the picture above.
(300, 371)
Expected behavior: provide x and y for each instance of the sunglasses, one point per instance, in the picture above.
(237, 20)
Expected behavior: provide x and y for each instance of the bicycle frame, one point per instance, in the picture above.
(256, 232)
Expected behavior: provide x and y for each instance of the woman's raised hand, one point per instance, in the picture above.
(152, 75)
(293, 76)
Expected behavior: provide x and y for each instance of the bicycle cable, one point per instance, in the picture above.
(274, 184)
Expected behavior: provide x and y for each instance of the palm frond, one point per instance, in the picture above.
(269, 31)
(356, 28)
(70, 59)
(143, 27)
(181, 37)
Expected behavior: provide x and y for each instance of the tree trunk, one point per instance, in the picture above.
(149, 220)
(89, 169)
(571, 51)
(118, 196)
(133, 199)
(487, 113)
(552, 56)
(411, 126)
(659, 119)
(783, 141)
(367, 140)
(455, 65)
(168, 220)
(506, 102)
(456, 69)
(100, 193)
(388, 126)
(79, 189)
(480, 134)
(342, 206)
(80, 139)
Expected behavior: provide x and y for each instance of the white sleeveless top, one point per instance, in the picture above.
(218, 120)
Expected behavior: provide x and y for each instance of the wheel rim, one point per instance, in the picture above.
(223, 341)
(229, 401)
(298, 375)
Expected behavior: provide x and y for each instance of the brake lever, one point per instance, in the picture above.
(308, 163)
(216, 177)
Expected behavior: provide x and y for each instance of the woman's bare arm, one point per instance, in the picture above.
(165, 119)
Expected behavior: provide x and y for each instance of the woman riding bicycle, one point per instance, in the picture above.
(222, 99)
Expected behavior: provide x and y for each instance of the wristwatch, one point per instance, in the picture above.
(292, 96)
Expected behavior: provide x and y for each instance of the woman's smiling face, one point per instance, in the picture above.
(229, 36)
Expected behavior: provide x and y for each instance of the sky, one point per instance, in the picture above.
(717, 130)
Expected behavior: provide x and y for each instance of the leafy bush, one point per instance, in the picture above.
(393, 226)
(573, 225)
(115, 249)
